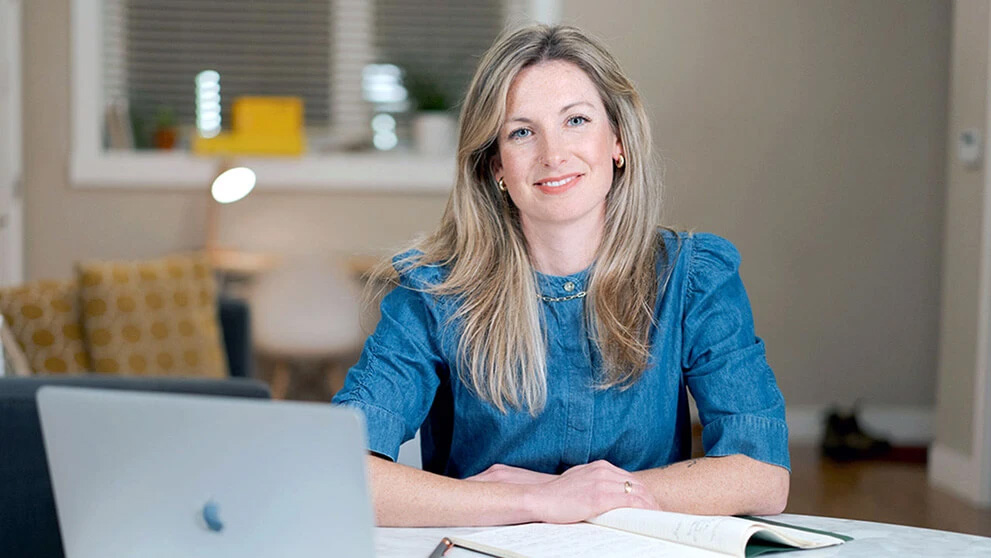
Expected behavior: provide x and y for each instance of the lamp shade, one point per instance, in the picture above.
(233, 184)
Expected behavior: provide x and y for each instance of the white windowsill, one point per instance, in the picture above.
(356, 172)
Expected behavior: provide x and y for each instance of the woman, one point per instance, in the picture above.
(542, 339)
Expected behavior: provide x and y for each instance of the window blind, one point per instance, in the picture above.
(259, 47)
(315, 49)
(437, 43)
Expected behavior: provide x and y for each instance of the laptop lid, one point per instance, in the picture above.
(164, 475)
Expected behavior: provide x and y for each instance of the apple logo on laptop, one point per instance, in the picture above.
(211, 515)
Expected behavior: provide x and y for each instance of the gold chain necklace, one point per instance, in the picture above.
(579, 294)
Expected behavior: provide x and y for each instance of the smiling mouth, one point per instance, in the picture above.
(557, 183)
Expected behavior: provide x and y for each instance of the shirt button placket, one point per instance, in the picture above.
(578, 438)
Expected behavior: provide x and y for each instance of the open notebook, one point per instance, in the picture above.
(634, 532)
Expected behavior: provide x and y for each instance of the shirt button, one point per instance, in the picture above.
(569, 286)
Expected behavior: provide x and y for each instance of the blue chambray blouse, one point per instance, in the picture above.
(703, 340)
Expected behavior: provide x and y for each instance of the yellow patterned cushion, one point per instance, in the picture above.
(13, 362)
(154, 318)
(44, 319)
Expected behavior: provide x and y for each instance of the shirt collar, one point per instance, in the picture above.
(562, 285)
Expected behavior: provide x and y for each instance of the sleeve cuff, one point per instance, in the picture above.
(761, 438)
(386, 430)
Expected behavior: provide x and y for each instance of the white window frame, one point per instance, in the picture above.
(91, 166)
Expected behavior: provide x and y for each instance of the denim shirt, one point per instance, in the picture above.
(703, 340)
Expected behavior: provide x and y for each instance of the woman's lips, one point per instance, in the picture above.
(559, 185)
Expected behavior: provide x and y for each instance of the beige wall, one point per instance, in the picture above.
(811, 134)
(962, 248)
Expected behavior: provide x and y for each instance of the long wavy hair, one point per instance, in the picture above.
(502, 342)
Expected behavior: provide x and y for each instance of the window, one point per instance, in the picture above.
(314, 49)
(149, 51)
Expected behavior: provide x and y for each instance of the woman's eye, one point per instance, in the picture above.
(518, 134)
(577, 120)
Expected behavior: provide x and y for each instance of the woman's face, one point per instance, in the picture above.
(556, 147)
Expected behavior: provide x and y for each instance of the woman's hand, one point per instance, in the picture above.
(586, 491)
(510, 474)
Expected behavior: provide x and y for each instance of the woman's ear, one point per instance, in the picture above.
(495, 167)
(618, 150)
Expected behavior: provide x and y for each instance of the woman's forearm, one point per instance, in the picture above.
(408, 497)
(730, 485)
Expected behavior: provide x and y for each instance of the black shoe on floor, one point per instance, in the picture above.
(845, 440)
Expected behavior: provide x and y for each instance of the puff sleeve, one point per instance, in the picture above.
(396, 378)
(724, 363)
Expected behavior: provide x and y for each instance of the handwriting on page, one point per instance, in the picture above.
(718, 534)
(699, 532)
(581, 541)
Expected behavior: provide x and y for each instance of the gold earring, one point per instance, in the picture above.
(501, 185)
(621, 161)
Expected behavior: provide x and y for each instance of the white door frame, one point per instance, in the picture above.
(969, 476)
(11, 198)
(982, 391)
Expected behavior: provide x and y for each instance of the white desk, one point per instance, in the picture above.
(870, 540)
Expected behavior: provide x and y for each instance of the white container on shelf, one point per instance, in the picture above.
(434, 133)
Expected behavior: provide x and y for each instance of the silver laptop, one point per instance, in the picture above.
(162, 475)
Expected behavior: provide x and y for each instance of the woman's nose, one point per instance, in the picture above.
(553, 151)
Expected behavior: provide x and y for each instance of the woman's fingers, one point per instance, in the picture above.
(642, 497)
(588, 490)
(579, 493)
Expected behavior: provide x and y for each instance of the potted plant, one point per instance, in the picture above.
(433, 123)
(164, 136)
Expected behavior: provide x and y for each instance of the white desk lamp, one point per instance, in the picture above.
(233, 184)
(230, 185)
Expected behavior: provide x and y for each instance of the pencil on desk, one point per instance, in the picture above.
(447, 543)
(442, 548)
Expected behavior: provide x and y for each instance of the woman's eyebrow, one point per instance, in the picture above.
(575, 104)
(563, 110)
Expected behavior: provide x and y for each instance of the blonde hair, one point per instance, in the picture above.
(502, 344)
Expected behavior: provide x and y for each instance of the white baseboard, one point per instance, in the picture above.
(899, 424)
(957, 473)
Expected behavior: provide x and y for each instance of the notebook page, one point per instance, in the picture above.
(719, 534)
(793, 537)
(581, 540)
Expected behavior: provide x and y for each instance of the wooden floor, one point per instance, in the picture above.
(887, 492)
